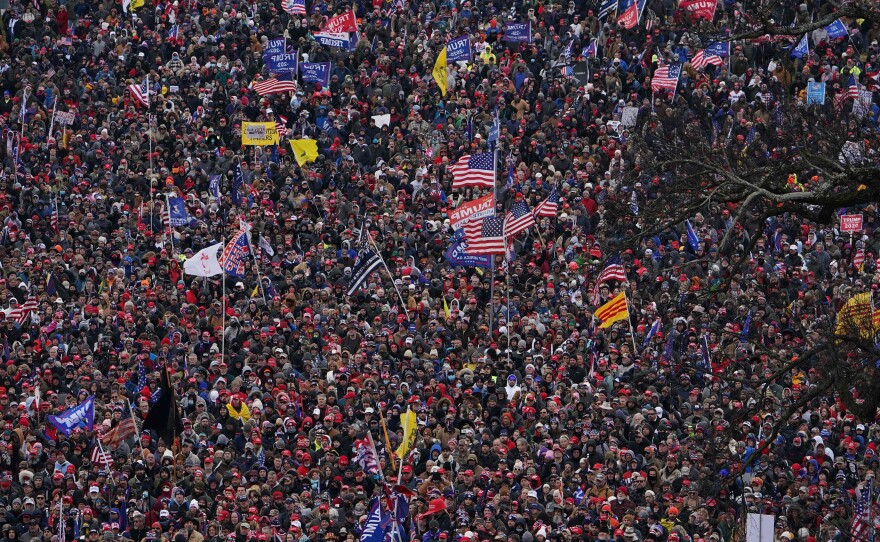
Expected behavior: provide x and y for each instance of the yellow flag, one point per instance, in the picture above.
(135, 4)
(856, 317)
(445, 308)
(440, 72)
(410, 424)
(614, 310)
(304, 150)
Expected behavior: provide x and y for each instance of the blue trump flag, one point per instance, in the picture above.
(518, 32)
(315, 72)
(802, 49)
(214, 186)
(275, 47)
(237, 183)
(456, 256)
(373, 529)
(235, 254)
(718, 48)
(282, 63)
(177, 211)
(82, 414)
(337, 39)
(458, 50)
(651, 332)
(837, 30)
(693, 240)
(744, 334)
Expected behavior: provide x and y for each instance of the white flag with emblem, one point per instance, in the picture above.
(204, 263)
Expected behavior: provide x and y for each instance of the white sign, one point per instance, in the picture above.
(65, 117)
(759, 528)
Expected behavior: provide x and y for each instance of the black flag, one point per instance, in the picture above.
(163, 417)
(366, 262)
(581, 72)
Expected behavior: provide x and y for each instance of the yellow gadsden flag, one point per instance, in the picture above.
(304, 150)
(440, 72)
(857, 317)
(614, 310)
(409, 423)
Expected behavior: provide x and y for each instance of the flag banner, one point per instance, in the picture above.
(373, 530)
(214, 186)
(549, 206)
(163, 417)
(472, 210)
(485, 236)
(82, 414)
(518, 32)
(259, 134)
(344, 22)
(275, 85)
(581, 72)
(282, 63)
(457, 255)
(613, 271)
(613, 311)
(266, 247)
(365, 457)
(340, 40)
(863, 524)
(607, 9)
(591, 50)
(141, 92)
(101, 458)
(703, 59)
(802, 49)
(816, 93)
(382, 120)
(837, 30)
(295, 7)
(718, 48)
(856, 317)
(315, 72)
(237, 185)
(235, 254)
(277, 46)
(693, 240)
(459, 50)
(304, 150)
(474, 170)
(519, 218)
(628, 14)
(440, 72)
(204, 263)
(177, 211)
(410, 425)
(651, 332)
(367, 261)
(666, 77)
(700, 9)
(123, 430)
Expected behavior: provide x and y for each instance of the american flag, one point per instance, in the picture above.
(862, 528)
(474, 170)
(666, 77)
(101, 457)
(141, 93)
(703, 59)
(566, 71)
(859, 259)
(549, 206)
(125, 429)
(518, 218)
(281, 125)
(275, 85)
(21, 313)
(53, 219)
(852, 90)
(614, 271)
(485, 236)
(295, 7)
(142, 375)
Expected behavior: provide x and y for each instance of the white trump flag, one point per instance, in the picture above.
(204, 263)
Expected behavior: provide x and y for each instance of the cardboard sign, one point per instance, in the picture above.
(852, 223)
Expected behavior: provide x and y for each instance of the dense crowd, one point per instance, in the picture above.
(532, 423)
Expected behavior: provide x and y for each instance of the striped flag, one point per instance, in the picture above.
(666, 77)
(101, 457)
(608, 7)
(549, 206)
(295, 7)
(859, 259)
(235, 254)
(141, 92)
(566, 71)
(485, 236)
(614, 271)
(123, 430)
(367, 261)
(614, 310)
(651, 332)
(281, 125)
(703, 59)
(474, 170)
(21, 313)
(862, 527)
(852, 91)
(275, 85)
(53, 219)
(519, 218)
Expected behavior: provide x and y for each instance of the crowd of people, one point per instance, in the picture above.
(533, 423)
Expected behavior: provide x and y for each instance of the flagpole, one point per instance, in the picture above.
(170, 226)
(390, 275)
(223, 310)
(256, 267)
(492, 256)
(131, 413)
(405, 425)
(632, 331)
(391, 453)
(52, 122)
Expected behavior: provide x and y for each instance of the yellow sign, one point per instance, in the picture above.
(259, 134)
